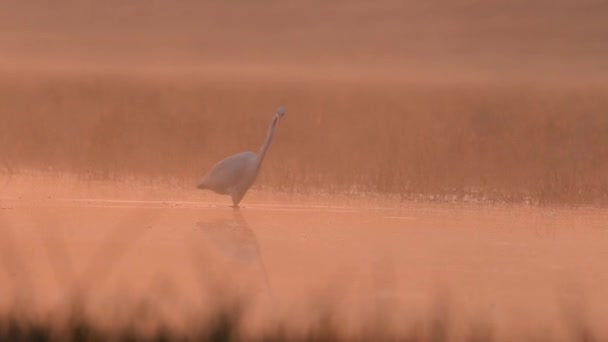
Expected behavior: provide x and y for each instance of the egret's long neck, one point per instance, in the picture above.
(269, 135)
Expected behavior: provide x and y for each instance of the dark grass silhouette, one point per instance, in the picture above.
(225, 325)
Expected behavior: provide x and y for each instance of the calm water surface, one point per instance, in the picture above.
(510, 266)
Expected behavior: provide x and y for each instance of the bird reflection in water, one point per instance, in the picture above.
(232, 238)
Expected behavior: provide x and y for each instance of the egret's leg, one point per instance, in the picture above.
(236, 198)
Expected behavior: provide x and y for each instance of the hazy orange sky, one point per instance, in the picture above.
(496, 39)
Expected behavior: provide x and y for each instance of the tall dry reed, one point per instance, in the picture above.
(503, 142)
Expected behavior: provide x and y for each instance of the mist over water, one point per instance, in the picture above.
(441, 173)
(512, 270)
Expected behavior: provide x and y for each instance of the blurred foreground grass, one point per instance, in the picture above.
(452, 141)
(226, 324)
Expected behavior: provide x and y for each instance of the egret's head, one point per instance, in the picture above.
(281, 112)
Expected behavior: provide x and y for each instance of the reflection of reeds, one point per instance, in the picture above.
(505, 143)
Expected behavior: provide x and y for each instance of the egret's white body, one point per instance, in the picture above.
(235, 175)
